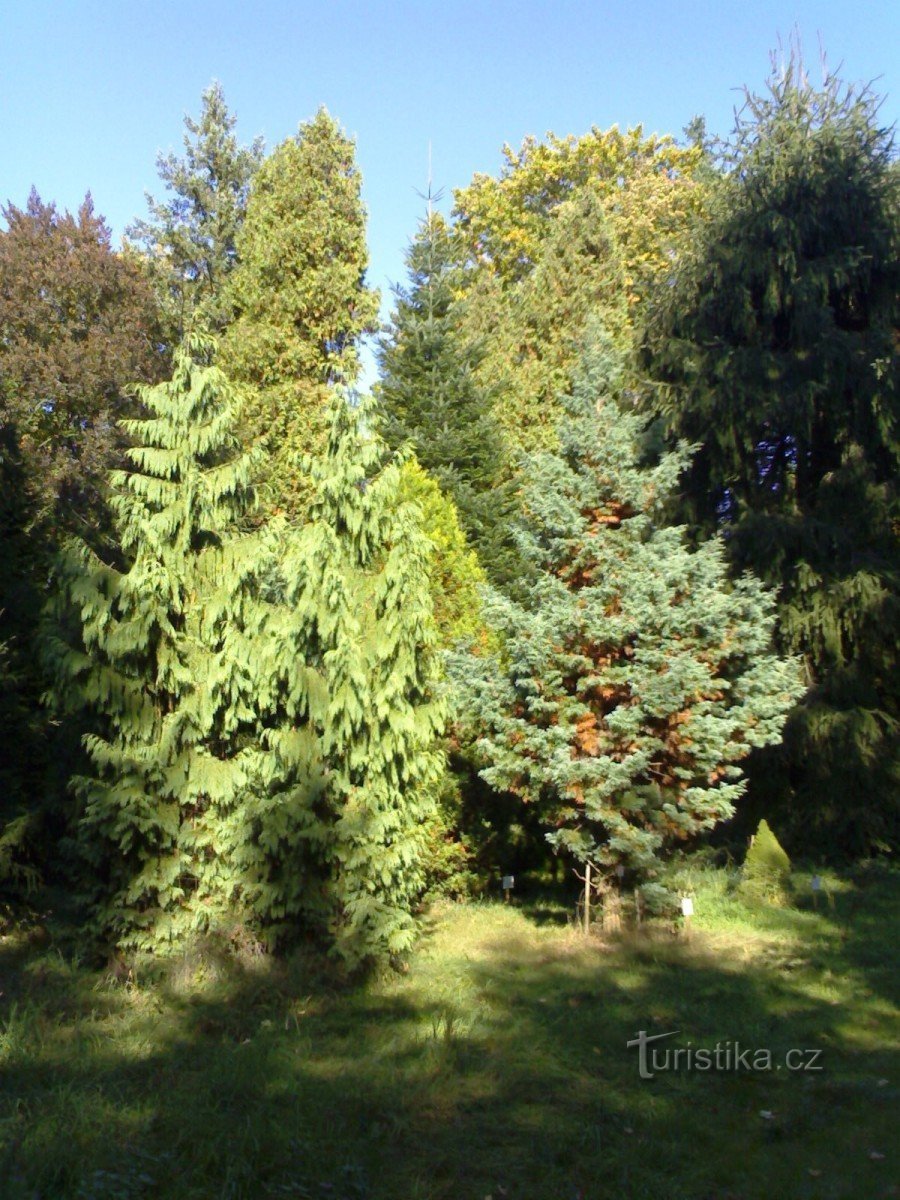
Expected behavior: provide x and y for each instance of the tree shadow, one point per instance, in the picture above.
(498, 1066)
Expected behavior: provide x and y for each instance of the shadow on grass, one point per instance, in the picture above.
(498, 1067)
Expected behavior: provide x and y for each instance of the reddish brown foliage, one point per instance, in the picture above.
(78, 323)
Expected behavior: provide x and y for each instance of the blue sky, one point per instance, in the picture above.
(91, 92)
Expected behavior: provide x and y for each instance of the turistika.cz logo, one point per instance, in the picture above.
(724, 1056)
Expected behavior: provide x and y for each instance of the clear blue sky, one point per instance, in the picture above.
(90, 92)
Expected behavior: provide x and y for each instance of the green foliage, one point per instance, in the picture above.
(645, 183)
(299, 301)
(455, 574)
(432, 398)
(533, 329)
(767, 868)
(358, 591)
(777, 348)
(572, 227)
(172, 664)
(635, 678)
(78, 322)
(16, 871)
(191, 239)
(449, 860)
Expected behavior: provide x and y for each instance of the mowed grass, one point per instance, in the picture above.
(497, 1066)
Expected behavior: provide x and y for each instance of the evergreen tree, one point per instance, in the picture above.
(299, 301)
(767, 869)
(634, 678)
(359, 597)
(192, 238)
(78, 322)
(455, 574)
(432, 398)
(776, 347)
(173, 666)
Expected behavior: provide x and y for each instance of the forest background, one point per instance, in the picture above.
(610, 551)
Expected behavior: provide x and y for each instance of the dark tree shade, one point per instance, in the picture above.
(776, 349)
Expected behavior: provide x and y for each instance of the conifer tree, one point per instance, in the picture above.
(777, 347)
(359, 597)
(432, 398)
(455, 574)
(191, 239)
(299, 301)
(767, 869)
(173, 667)
(635, 678)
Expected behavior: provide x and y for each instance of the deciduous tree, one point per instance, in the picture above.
(78, 323)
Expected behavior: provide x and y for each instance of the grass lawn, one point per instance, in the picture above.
(497, 1066)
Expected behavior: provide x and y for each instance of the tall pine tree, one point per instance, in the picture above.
(299, 301)
(635, 678)
(777, 348)
(358, 591)
(432, 398)
(191, 239)
(174, 664)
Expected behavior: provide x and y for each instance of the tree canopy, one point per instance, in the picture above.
(635, 676)
(299, 300)
(191, 239)
(776, 347)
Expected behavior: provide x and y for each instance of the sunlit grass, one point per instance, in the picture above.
(496, 1066)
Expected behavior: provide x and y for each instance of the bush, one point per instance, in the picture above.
(767, 868)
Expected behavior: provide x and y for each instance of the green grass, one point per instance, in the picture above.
(496, 1066)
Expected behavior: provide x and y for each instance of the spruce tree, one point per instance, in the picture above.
(173, 666)
(432, 398)
(776, 347)
(191, 239)
(635, 678)
(299, 302)
(358, 591)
